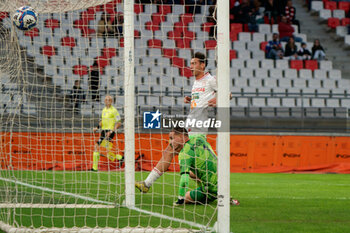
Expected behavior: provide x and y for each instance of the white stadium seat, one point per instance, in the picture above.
(265, 28)
(316, 5)
(338, 14)
(325, 14)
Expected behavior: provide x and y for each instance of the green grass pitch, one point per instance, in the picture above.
(269, 202)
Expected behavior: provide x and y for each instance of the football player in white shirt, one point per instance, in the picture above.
(203, 93)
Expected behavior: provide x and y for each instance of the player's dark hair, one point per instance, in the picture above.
(180, 130)
(201, 57)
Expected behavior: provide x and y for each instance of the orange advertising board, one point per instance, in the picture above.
(248, 153)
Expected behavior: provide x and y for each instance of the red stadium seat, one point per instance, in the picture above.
(333, 22)
(296, 64)
(210, 44)
(206, 27)
(311, 65)
(174, 35)
(152, 26)
(157, 18)
(109, 52)
(183, 43)
(80, 24)
(32, 33)
(178, 62)
(137, 34)
(80, 70)
(236, 27)
(102, 62)
(330, 5)
(48, 50)
(180, 27)
(52, 23)
(189, 35)
(344, 6)
(186, 18)
(94, 9)
(86, 31)
(138, 8)
(345, 21)
(169, 53)
(3, 15)
(121, 42)
(109, 7)
(263, 45)
(186, 72)
(233, 36)
(164, 9)
(233, 54)
(154, 43)
(87, 16)
(68, 41)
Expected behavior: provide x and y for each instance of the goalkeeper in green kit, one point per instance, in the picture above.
(197, 161)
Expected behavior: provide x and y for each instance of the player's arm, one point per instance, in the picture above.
(213, 85)
(187, 99)
(167, 156)
(118, 120)
(99, 125)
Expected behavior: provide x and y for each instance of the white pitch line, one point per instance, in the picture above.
(300, 198)
(65, 206)
(171, 218)
(99, 201)
(57, 191)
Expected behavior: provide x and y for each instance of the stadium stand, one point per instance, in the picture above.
(255, 79)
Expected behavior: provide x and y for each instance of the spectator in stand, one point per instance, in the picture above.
(104, 27)
(291, 50)
(94, 81)
(118, 25)
(271, 10)
(195, 5)
(255, 19)
(274, 48)
(286, 30)
(304, 53)
(241, 12)
(211, 18)
(290, 13)
(318, 51)
(78, 96)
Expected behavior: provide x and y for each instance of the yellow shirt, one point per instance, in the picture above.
(110, 116)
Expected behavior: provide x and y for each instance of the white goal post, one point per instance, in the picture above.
(43, 191)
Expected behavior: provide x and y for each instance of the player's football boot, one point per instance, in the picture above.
(234, 202)
(140, 185)
(180, 201)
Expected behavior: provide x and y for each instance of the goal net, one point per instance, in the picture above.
(54, 83)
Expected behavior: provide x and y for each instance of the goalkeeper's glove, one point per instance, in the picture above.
(180, 201)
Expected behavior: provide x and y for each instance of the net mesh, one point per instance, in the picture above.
(47, 142)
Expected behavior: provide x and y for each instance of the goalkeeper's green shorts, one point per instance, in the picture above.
(199, 195)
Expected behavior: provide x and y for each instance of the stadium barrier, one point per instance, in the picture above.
(249, 153)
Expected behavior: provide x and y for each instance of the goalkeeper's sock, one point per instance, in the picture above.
(95, 159)
(152, 177)
(184, 180)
